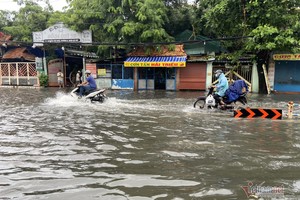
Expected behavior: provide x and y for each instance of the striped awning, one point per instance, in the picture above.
(155, 61)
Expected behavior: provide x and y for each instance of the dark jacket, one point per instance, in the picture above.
(235, 90)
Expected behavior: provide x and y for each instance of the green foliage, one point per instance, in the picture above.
(104, 51)
(43, 78)
(273, 25)
(121, 21)
(171, 47)
(261, 25)
(181, 17)
(30, 18)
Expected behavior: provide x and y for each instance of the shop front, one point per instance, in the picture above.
(287, 72)
(193, 76)
(156, 72)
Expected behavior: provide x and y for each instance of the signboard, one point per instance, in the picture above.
(101, 72)
(93, 68)
(286, 56)
(154, 64)
(59, 33)
(39, 64)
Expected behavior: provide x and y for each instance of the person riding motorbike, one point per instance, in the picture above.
(88, 85)
(221, 86)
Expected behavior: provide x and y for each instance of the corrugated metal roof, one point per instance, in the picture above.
(162, 51)
(207, 44)
(81, 53)
(156, 59)
(19, 53)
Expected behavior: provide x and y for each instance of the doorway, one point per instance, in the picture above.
(160, 79)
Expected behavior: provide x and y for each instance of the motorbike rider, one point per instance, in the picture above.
(220, 87)
(88, 85)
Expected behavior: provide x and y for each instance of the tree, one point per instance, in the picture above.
(5, 19)
(180, 17)
(263, 26)
(272, 25)
(30, 18)
(121, 20)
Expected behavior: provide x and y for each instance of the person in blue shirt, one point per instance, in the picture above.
(87, 86)
(221, 87)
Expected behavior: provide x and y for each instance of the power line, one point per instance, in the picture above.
(96, 43)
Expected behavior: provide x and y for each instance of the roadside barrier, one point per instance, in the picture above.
(258, 113)
(291, 105)
(293, 112)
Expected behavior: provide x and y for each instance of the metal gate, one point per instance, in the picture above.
(19, 74)
(243, 72)
(193, 76)
(287, 76)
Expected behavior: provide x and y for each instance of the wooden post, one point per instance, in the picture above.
(9, 78)
(177, 79)
(135, 79)
(266, 78)
(38, 80)
(290, 110)
(28, 74)
(17, 73)
(65, 71)
(0, 74)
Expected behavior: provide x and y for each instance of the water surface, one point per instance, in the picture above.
(139, 146)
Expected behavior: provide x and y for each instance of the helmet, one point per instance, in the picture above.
(218, 73)
(87, 71)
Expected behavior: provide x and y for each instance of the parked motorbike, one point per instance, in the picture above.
(209, 102)
(93, 96)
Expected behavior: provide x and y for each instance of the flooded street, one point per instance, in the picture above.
(141, 146)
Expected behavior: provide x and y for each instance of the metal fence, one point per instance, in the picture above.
(243, 72)
(19, 74)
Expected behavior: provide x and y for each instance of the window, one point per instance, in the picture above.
(150, 73)
(117, 71)
(142, 73)
(170, 73)
(128, 72)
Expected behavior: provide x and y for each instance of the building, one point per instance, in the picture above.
(284, 73)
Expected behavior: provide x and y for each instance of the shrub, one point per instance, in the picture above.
(43, 79)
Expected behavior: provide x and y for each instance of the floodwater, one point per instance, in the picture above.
(141, 146)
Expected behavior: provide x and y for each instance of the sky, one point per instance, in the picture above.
(12, 6)
(57, 5)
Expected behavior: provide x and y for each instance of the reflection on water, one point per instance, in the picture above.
(140, 145)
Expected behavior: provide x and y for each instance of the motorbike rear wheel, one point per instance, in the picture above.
(98, 98)
(200, 103)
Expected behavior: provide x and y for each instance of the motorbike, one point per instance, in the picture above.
(209, 102)
(93, 96)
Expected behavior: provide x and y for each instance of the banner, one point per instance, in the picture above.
(155, 64)
(101, 72)
(286, 56)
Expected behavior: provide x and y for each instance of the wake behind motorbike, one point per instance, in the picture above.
(209, 102)
(93, 96)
